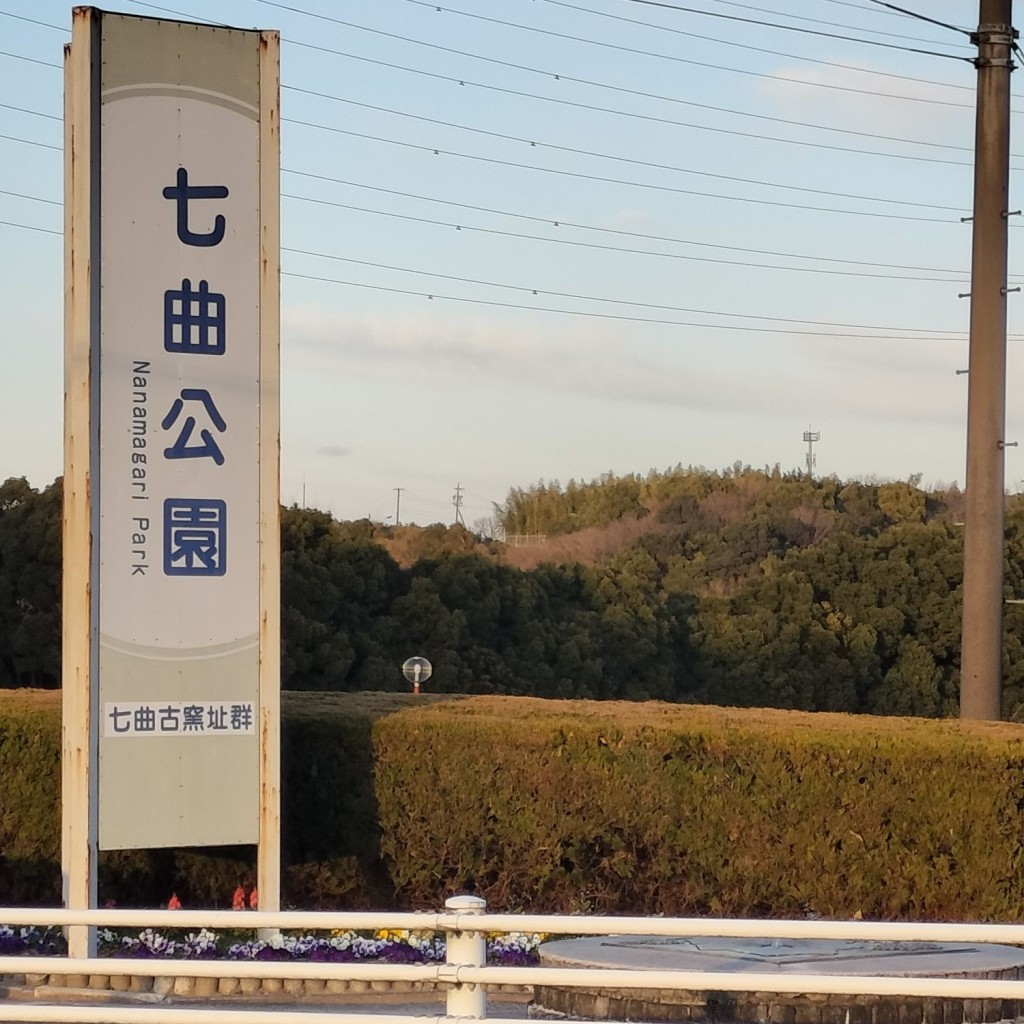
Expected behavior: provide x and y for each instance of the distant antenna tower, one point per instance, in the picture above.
(457, 502)
(811, 436)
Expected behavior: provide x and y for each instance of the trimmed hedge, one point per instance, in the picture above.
(391, 800)
(649, 808)
(329, 813)
(30, 797)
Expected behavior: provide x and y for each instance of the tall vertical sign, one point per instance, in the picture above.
(171, 648)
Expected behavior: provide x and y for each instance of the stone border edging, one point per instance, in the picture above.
(229, 987)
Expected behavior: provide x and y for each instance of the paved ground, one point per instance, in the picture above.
(786, 956)
(732, 961)
(504, 1008)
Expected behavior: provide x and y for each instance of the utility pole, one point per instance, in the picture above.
(457, 502)
(811, 436)
(398, 505)
(981, 668)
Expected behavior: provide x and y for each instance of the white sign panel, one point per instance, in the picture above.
(178, 427)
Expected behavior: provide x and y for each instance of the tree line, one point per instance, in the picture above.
(741, 587)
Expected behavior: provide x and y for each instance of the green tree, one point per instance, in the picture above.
(30, 584)
(332, 589)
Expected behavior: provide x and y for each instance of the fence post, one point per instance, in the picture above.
(470, 949)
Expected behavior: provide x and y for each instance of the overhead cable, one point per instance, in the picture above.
(536, 143)
(559, 223)
(549, 32)
(640, 117)
(822, 21)
(796, 28)
(600, 298)
(675, 190)
(431, 296)
(921, 17)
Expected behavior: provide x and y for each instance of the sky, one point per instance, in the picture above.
(530, 240)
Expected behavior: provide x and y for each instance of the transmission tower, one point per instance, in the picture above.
(811, 436)
(457, 502)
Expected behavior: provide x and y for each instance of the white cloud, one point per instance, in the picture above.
(630, 219)
(430, 395)
(801, 97)
(603, 361)
(710, 371)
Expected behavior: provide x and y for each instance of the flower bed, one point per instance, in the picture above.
(402, 947)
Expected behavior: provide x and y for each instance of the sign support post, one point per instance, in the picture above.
(81, 312)
(268, 853)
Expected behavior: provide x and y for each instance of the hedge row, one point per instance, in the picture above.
(627, 808)
(391, 800)
(329, 832)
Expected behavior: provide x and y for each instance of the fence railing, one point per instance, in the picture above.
(465, 973)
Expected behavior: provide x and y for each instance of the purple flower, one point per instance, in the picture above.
(400, 953)
(513, 958)
(329, 955)
(269, 953)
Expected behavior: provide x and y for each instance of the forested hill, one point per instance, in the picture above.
(740, 587)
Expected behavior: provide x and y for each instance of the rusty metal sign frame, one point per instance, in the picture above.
(82, 714)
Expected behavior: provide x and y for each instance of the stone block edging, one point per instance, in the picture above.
(227, 987)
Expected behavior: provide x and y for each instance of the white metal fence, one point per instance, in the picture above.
(465, 973)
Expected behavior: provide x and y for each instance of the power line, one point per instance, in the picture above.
(539, 291)
(33, 21)
(536, 143)
(181, 14)
(908, 335)
(560, 223)
(302, 198)
(921, 17)
(595, 42)
(940, 334)
(31, 60)
(856, 28)
(760, 49)
(441, 151)
(596, 298)
(962, 276)
(427, 501)
(340, 99)
(700, 106)
(31, 227)
(719, 67)
(446, 49)
(431, 296)
(860, 7)
(611, 248)
(957, 275)
(36, 113)
(632, 114)
(34, 199)
(795, 28)
(569, 78)
(547, 74)
(684, 60)
(31, 142)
